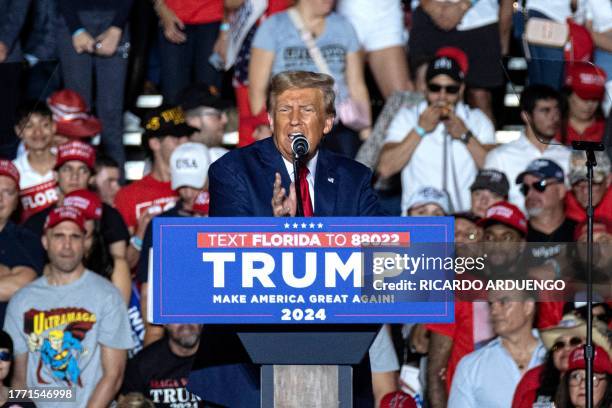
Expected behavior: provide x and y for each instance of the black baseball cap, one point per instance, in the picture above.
(201, 95)
(167, 121)
(492, 180)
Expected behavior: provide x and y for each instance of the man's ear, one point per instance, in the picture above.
(18, 130)
(525, 118)
(271, 120)
(329, 124)
(562, 191)
(44, 241)
(154, 144)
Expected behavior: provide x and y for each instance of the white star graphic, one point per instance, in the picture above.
(320, 225)
(303, 225)
(286, 225)
(295, 225)
(311, 225)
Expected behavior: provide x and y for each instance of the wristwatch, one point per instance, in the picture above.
(465, 138)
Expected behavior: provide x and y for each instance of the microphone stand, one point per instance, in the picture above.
(296, 182)
(589, 148)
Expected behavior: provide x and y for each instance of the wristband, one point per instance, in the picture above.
(224, 27)
(136, 243)
(78, 31)
(420, 131)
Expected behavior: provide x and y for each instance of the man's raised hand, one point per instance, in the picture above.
(283, 205)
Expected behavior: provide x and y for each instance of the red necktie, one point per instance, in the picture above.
(305, 192)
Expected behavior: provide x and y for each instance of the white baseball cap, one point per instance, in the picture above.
(189, 166)
(429, 195)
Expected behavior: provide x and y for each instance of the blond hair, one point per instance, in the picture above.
(303, 79)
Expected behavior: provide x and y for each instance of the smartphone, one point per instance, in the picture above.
(216, 61)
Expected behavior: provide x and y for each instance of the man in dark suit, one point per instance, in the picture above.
(258, 180)
(254, 181)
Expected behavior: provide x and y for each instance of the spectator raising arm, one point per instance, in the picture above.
(357, 87)
(260, 68)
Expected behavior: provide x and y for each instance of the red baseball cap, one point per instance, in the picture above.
(8, 169)
(64, 213)
(505, 213)
(456, 54)
(71, 115)
(600, 224)
(87, 202)
(601, 360)
(588, 81)
(397, 399)
(201, 203)
(76, 150)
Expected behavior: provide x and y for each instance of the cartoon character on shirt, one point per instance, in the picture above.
(59, 353)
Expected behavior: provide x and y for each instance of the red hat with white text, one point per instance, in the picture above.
(76, 150)
(8, 169)
(505, 213)
(71, 116)
(61, 214)
(601, 360)
(87, 202)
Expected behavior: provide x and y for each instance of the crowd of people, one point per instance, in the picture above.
(75, 237)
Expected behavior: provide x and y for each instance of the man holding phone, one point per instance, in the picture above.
(441, 141)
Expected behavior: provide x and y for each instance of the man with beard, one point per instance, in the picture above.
(160, 370)
(542, 185)
(505, 229)
(541, 113)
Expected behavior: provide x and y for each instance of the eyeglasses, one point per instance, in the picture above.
(577, 377)
(539, 186)
(5, 356)
(573, 342)
(449, 89)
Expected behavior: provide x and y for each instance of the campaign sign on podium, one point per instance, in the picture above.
(302, 270)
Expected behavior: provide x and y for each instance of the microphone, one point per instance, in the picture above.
(299, 145)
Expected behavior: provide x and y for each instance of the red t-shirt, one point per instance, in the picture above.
(147, 194)
(593, 133)
(197, 11)
(525, 393)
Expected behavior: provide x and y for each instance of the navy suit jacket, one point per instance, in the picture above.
(240, 183)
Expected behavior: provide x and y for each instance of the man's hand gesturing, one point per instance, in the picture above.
(283, 205)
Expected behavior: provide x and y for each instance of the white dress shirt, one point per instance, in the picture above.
(488, 377)
(513, 158)
(310, 178)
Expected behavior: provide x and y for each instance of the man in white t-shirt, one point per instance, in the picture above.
(439, 142)
(540, 111)
(38, 188)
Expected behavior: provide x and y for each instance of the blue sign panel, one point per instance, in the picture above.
(302, 270)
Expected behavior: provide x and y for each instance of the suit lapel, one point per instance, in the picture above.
(272, 162)
(326, 186)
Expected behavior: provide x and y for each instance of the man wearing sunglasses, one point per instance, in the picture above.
(542, 185)
(439, 142)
